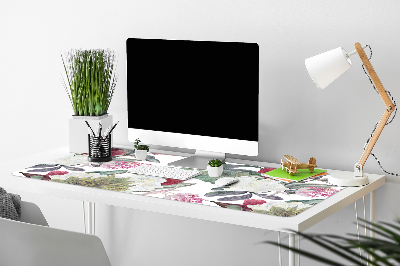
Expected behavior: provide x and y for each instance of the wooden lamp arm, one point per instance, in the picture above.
(378, 84)
(389, 109)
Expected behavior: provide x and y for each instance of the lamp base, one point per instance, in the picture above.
(348, 180)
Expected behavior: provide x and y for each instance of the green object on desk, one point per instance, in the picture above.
(304, 173)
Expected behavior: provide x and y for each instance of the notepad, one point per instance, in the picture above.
(304, 173)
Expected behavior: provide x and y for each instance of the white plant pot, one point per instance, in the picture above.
(78, 131)
(215, 171)
(141, 155)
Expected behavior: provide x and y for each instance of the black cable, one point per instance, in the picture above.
(387, 123)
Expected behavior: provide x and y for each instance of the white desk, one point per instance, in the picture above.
(297, 223)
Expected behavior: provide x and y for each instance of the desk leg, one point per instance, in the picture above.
(89, 217)
(292, 244)
(372, 209)
(298, 247)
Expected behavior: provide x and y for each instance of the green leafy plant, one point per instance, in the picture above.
(140, 147)
(382, 251)
(91, 80)
(215, 163)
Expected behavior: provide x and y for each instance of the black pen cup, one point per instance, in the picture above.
(99, 149)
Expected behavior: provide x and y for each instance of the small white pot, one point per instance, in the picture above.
(215, 171)
(141, 155)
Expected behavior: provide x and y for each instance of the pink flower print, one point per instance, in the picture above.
(120, 165)
(171, 181)
(57, 173)
(186, 197)
(253, 202)
(115, 152)
(316, 192)
(265, 170)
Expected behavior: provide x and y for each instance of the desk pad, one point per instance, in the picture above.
(256, 191)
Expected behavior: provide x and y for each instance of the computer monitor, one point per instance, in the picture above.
(199, 95)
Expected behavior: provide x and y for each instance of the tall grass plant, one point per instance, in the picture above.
(91, 80)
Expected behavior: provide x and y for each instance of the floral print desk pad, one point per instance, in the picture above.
(256, 191)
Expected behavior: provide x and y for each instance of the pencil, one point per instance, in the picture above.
(112, 129)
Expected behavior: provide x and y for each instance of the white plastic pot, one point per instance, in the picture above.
(141, 155)
(215, 171)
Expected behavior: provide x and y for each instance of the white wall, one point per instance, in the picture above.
(295, 117)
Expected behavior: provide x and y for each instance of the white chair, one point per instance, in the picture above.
(32, 243)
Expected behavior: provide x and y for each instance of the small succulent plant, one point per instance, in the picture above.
(215, 163)
(140, 147)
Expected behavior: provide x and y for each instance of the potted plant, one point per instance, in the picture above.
(141, 150)
(90, 82)
(215, 167)
(384, 250)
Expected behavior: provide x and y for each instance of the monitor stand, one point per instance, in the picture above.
(199, 160)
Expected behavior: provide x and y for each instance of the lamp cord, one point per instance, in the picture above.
(387, 123)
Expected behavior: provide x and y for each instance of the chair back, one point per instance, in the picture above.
(32, 214)
(23, 243)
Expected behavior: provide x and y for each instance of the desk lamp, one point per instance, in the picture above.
(323, 70)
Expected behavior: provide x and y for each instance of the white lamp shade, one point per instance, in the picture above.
(326, 67)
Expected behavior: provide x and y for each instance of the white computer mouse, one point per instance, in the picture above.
(226, 181)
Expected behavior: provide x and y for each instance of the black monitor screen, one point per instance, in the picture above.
(193, 87)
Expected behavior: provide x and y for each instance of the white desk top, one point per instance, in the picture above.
(299, 222)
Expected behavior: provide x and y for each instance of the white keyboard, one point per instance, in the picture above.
(165, 171)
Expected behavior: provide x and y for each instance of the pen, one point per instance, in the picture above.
(89, 127)
(90, 132)
(99, 130)
(106, 132)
